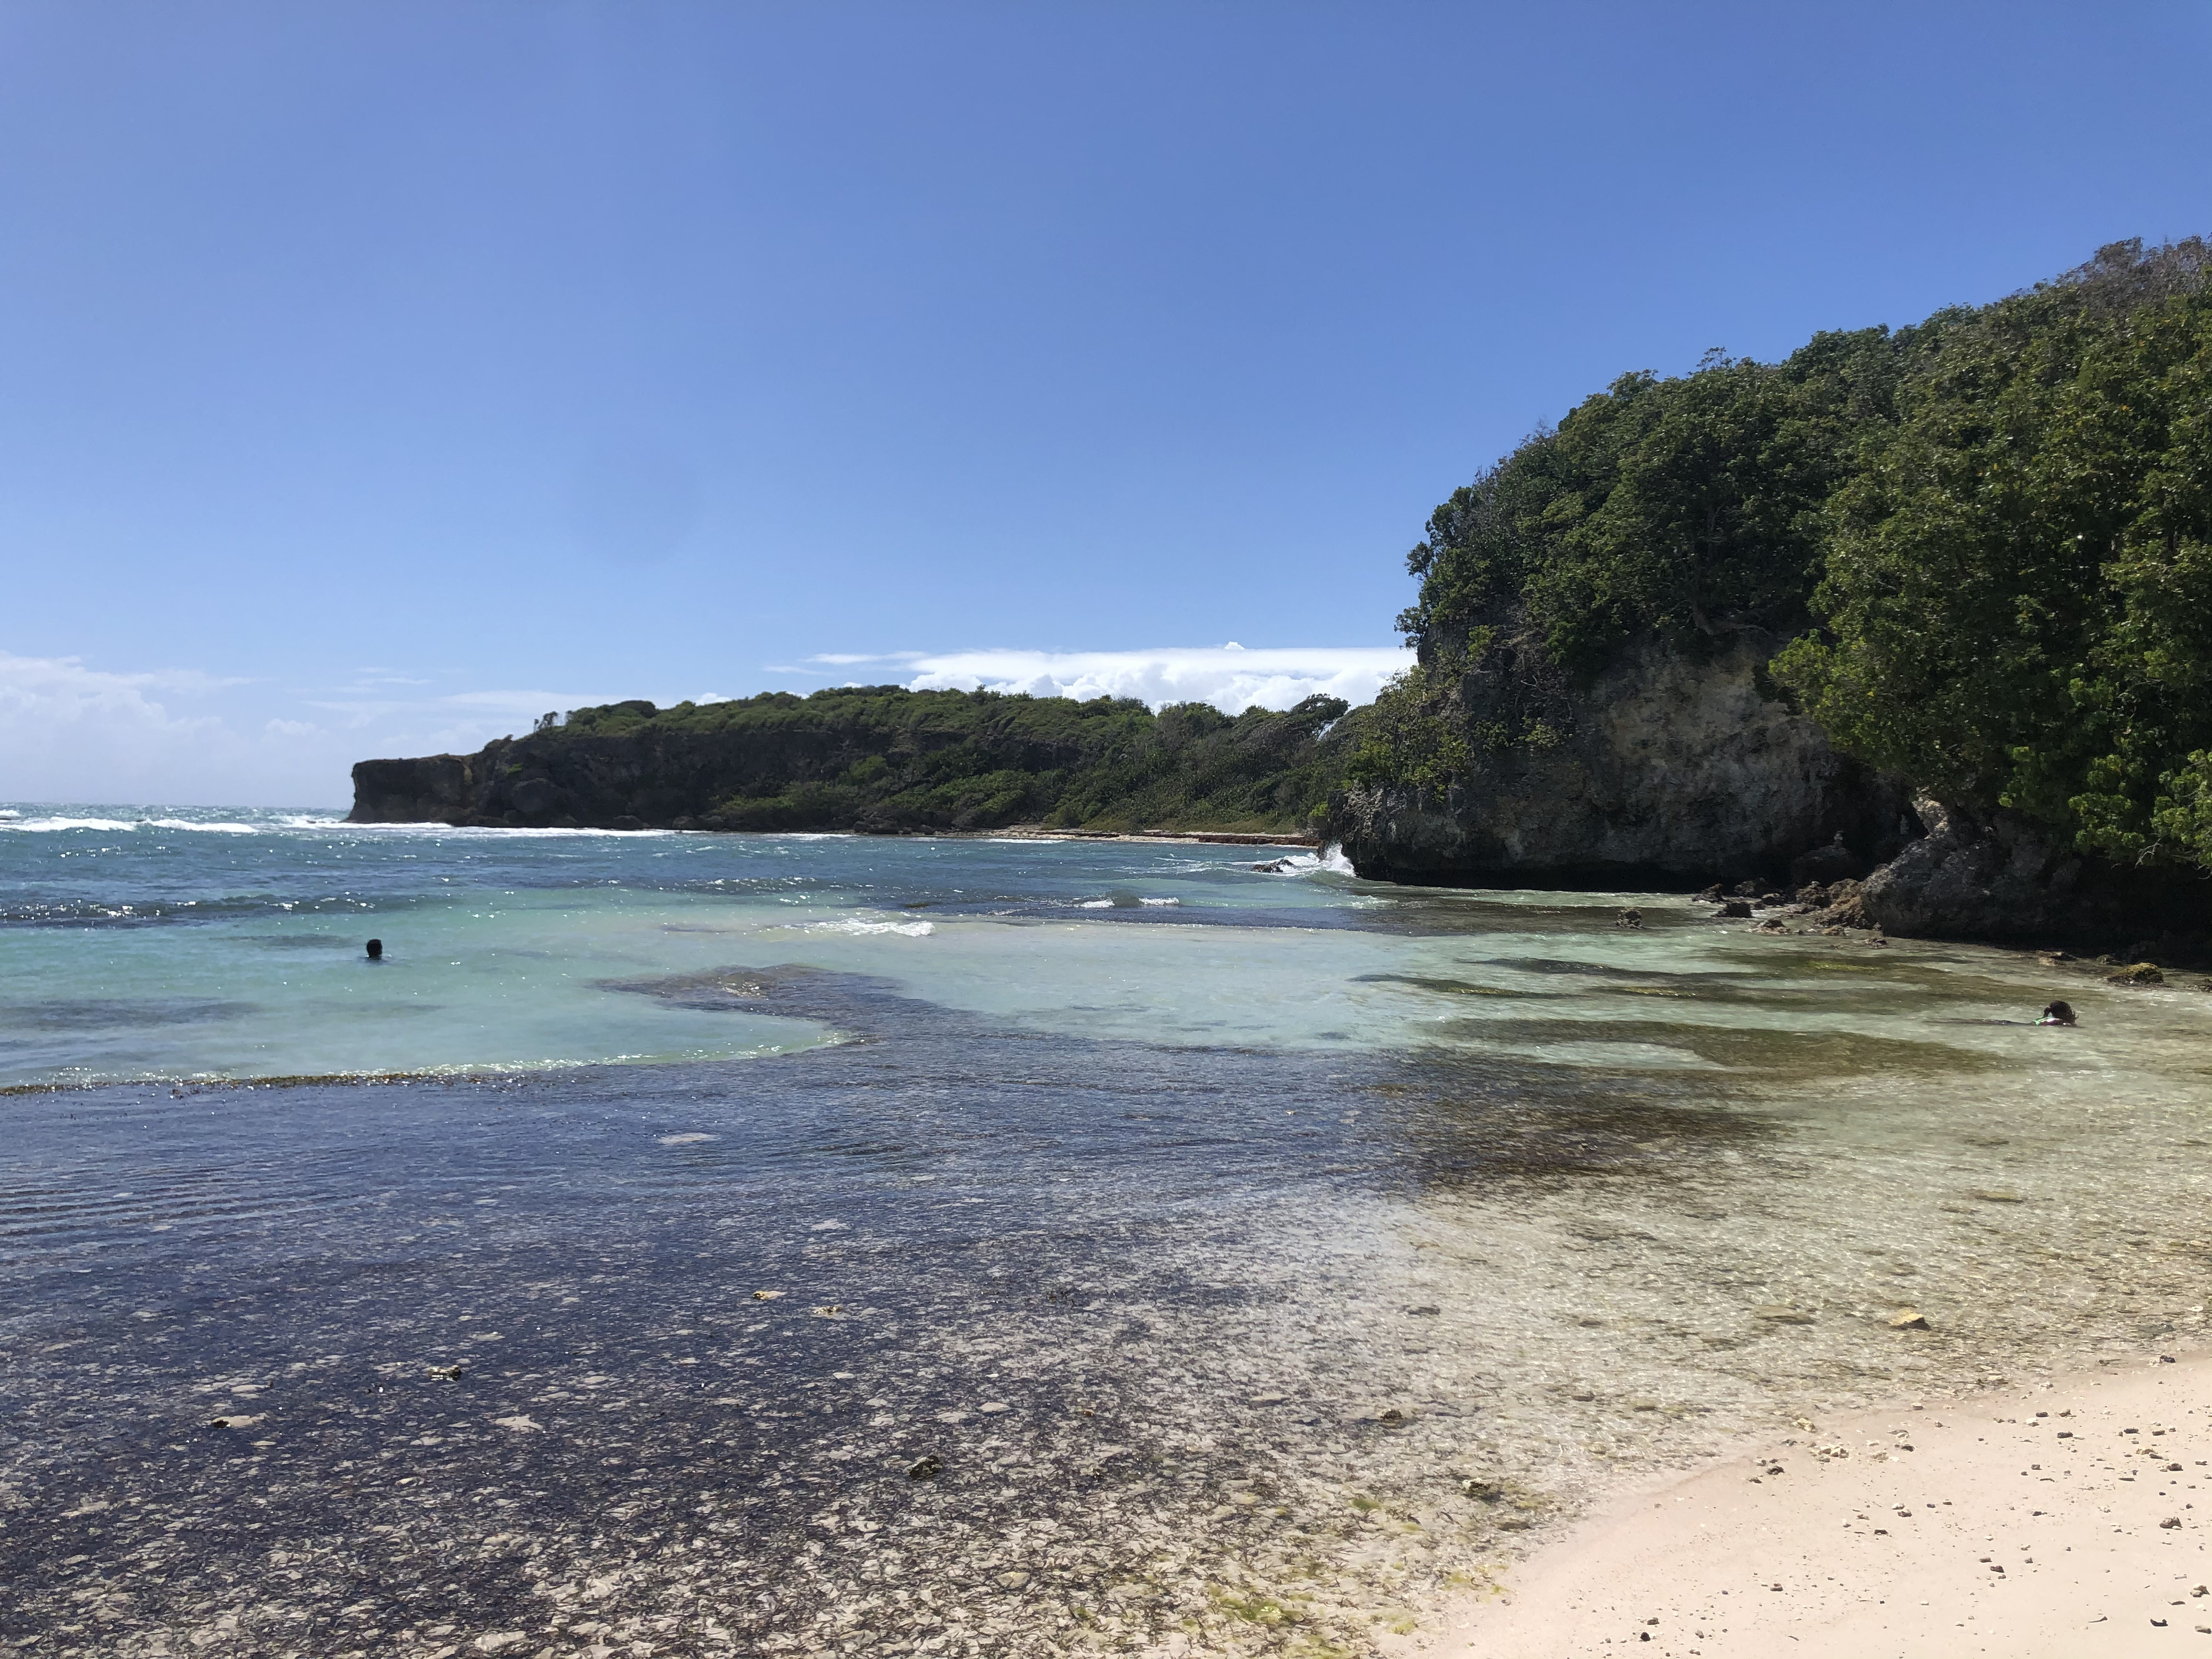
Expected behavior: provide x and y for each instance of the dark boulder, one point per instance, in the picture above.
(1833, 862)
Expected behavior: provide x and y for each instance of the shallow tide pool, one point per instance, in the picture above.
(825, 1244)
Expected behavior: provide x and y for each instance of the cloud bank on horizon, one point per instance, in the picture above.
(75, 733)
(1229, 677)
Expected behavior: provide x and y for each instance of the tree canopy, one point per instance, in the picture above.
(884, 758)
(1990, 535)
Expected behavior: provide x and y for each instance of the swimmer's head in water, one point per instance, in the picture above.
(2056, 1013)
(376, 950)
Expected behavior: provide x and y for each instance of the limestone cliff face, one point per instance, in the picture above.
(1995, 875)
(435, 789)
(1665, 772)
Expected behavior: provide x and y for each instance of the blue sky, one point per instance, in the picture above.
(375, 376)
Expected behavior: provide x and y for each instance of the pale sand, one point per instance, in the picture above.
(1894, 1552)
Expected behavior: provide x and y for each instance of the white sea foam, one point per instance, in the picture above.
(1329, 861)
(16, 821)
(1160, 901)
(45, 825)
(857, 925)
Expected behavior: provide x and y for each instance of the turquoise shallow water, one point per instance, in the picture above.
(167, 944)
(175, 945)
(595, 1268)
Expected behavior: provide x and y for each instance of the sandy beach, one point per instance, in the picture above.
(2056, 1520)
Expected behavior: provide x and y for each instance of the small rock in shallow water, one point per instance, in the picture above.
(766, 1296)
(926, 1468)
(2140, 973)
(1908, 1319)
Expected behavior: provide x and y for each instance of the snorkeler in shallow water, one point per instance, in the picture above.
(2056, 1013)
(376, 950)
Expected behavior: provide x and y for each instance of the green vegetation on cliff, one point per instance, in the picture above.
(882, 758)
(1990, 535)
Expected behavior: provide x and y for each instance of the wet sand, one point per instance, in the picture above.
(2068, 1519)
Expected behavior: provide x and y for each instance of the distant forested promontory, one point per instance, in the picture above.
(883, 759)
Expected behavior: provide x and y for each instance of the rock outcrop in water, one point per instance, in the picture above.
(2000, 875)
(1664, 771)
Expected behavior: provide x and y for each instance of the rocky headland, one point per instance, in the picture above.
(1672, 770)
(1919, 609)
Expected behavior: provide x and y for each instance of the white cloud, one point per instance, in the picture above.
(71, 732)
(65, 728)
(1228, 677)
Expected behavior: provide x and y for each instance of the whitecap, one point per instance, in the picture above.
(1161, 901)
(46, 825)
(212, 827)
(856, 925)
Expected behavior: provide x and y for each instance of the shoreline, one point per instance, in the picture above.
(2067, 1518)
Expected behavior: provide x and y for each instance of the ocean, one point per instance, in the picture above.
(699, 1244)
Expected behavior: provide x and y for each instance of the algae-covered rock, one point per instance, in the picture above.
(2139, 973)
